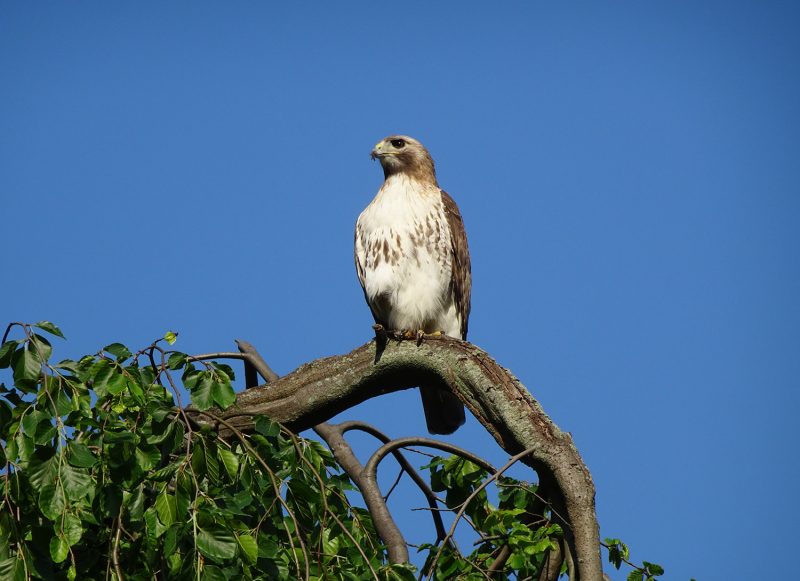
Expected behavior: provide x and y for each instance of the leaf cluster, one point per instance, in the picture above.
(106, 477)
(514, 537)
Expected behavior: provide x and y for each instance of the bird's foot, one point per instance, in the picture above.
(417, 335)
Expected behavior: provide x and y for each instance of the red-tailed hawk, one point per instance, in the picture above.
(413, 262)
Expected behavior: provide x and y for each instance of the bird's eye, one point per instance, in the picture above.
(398, 143)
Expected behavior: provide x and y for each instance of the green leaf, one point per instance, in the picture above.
(118, 350)
(202, 394)
(41, 346)
(267, 427)
(58, 549)
(230, 461)
(223, 392)
(212, 573)
(116, 382)
(134, 502)
(27, 368)
(224, 368)
(24, 447)
(71, 529)
(248, 546)
(165, 473)
(147, 457)
(76, 481)
(212, 464)
(50, 328)
(52, 501)
(171, 337)
(80, 456)
(402, 572)
(31, 421)
(166, 508)
(635, 575)
(176, 360)
(154, 527)
(13, 569)
(170, 540)
(653, 569)
(42, 470)
(216, 543)
(517, 561)
(6, 351)
(101, 373)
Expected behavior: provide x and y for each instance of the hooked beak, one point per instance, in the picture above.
(377, 151)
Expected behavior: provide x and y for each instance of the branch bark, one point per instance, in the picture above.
(319, 390)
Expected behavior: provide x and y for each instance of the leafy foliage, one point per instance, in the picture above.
(515, 536)
(105, 476)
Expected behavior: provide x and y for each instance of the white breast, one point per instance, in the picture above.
(404, 257)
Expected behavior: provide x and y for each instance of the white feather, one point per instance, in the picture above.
(415, 283)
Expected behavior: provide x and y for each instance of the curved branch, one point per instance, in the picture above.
(385, 525)
(415, 476)
(319, 390)
(392, 445)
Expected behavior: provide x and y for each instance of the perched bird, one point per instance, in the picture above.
(413, 262)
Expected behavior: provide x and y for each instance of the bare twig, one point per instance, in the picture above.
(115, 550)
(394, 485)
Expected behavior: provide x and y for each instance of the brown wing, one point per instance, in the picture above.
(462, 275)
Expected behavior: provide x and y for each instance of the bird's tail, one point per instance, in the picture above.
(444, 412)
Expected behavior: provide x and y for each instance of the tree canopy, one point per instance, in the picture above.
(109, 474)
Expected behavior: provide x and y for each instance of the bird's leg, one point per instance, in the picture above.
(420, 335)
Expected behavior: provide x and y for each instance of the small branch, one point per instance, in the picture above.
(392, 445)
(253, 357)
(115, 550)
(394, 485)
(220, 355)
(8, 330)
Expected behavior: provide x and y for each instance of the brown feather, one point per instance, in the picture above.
(462, 269)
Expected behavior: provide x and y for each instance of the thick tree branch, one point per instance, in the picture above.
(319, 390)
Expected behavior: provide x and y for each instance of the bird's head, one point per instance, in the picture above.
(402, 154)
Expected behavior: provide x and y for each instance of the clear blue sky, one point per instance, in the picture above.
(628, 173)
